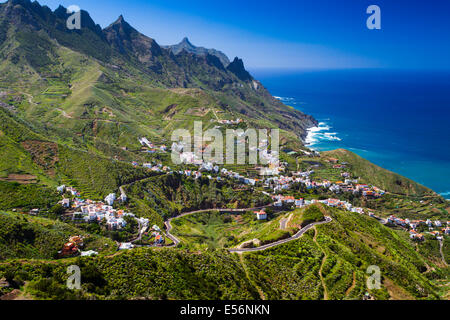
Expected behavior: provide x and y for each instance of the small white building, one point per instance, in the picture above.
(110, 198)
(278, 204)
(89, 253)
(299, 203)
(261, 215)
(126, 246)
(66, 203)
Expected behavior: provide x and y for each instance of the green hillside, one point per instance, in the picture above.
(328, 264)
(28, 237)
(373, 174)
(73, 105)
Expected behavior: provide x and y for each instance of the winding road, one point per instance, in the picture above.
(176, 241)
(298, 235)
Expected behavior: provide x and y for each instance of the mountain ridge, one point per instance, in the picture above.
(41, 33)
(186, 45)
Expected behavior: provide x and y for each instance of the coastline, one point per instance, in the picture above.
(320, 133)
(388, 137)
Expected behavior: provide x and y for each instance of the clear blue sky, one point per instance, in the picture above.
(294, 33)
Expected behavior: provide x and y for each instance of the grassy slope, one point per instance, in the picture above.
(27, 237)
(350, 243)
(94, 174)
(342, 251)
(166, 196)
(218, 230)
(382, 178)
(146, 273)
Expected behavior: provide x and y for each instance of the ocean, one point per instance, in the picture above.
(399, 120)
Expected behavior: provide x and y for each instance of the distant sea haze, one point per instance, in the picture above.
(399, 120)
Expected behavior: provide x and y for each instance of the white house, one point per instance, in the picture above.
(110, 198)
(123, 198)
(261, 215)
(299, 203)
(66, 203)
(125, 246)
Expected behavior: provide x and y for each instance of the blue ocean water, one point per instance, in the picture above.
(399, 120)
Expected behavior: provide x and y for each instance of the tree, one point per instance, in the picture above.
(57, 209)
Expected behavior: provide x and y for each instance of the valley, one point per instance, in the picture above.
(87, 179)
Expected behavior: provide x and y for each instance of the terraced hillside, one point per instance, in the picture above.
(73, 105)
(329, 262)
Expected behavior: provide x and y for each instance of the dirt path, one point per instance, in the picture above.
(30, 98)
(349, 290)
(325, 290)
(285, 221)
(261, 293)
(441, 245)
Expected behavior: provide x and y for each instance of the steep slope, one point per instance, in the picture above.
(373, 174)
(91, 69)
(340, 252)
(38, 238)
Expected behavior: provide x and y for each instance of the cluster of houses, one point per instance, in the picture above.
(335, 163)
(238, 177)
(414, 224)
(152, 167)
(215, 169)
(62, 189)
(281, 200)
(149, 147)
(90, 211)
(231, 122)
(280, 183)
(155, 233)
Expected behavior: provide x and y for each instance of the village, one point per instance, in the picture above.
(414, 225)
(89, 211)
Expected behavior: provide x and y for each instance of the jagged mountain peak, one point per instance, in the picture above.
(186, 45)
(237, 67)
(120, 21)
(121, 35)
(186, 41)
(120, 45)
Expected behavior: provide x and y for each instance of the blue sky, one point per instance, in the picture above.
(293, 34)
